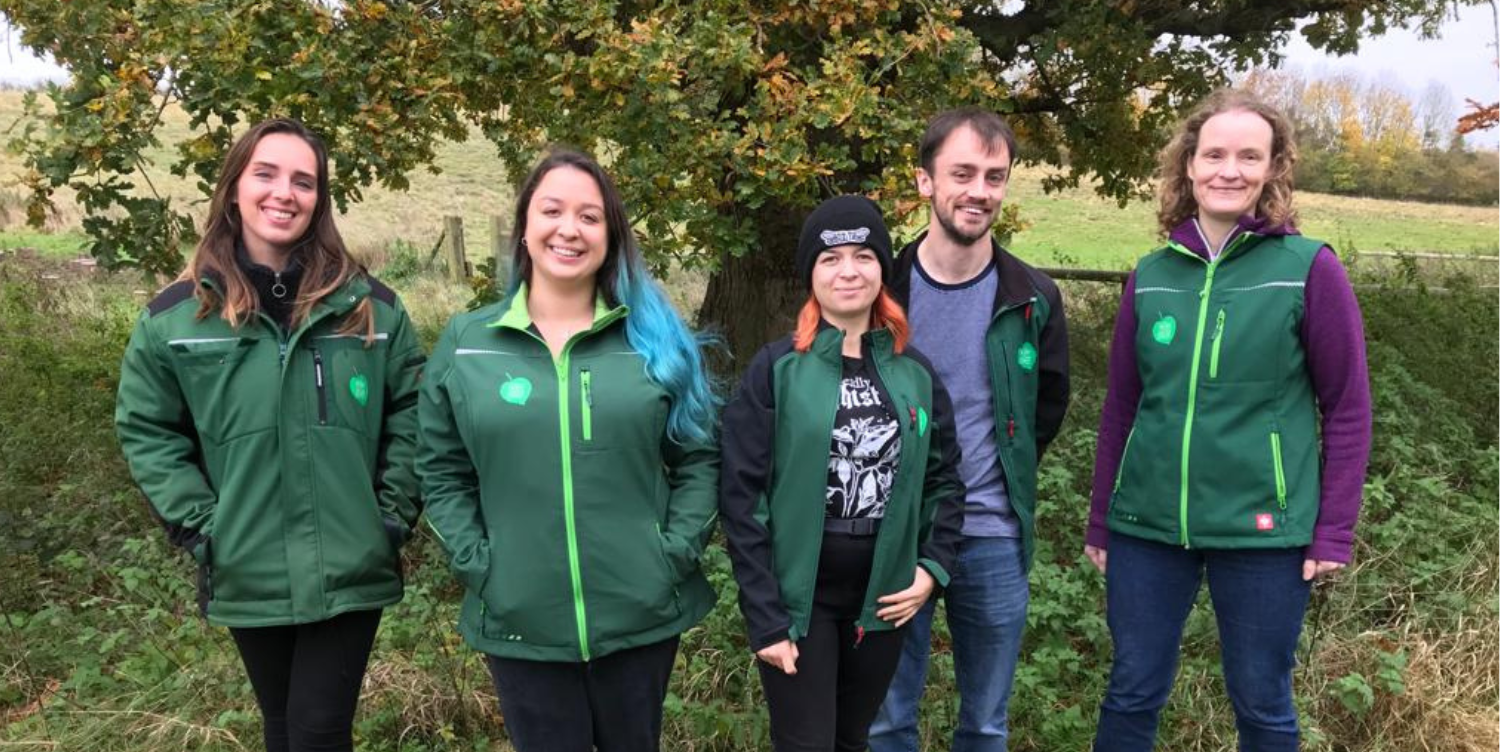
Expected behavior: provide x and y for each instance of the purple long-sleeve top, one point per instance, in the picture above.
(1332, 335)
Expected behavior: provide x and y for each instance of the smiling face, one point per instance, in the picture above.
(966, 185)
(846, 281)
(276, 195)
(1229, 168)
(567, 238)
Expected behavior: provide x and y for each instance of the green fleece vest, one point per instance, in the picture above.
(1224, 450)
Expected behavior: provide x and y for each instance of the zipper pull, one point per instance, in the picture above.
(912, 411)
(859, 635)
(318, 366)
(588, 390)
(1010, 426)
(1219, 325)
(1028, 313)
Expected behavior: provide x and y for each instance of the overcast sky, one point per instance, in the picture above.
(1461, 58)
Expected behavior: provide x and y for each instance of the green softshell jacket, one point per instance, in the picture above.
(571, 518)
(1026, 346)
(777, 434)
(282, 461)
(1223, 453)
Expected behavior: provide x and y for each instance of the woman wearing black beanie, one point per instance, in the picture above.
(846, 434)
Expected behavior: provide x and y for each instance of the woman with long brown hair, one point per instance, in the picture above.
(569, 464)
(839, 495)
(1235, 431)
(267, 408)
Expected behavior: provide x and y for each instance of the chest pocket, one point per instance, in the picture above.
(1247, 332)
(349, 380)
(227, 383)
(610, 396)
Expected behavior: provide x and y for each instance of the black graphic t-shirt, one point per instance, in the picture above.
(866, 447)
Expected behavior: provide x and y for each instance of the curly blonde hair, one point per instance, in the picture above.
(1175, 189)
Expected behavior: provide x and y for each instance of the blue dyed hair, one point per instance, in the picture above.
(673, 352)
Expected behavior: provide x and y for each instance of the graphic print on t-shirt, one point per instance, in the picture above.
(866, 448)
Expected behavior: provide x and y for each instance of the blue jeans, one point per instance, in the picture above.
(986, 605)
(1259, 599)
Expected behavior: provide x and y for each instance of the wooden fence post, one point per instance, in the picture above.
(500, 251)
(458, 267)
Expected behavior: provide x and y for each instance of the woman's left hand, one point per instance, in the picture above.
(1315, 568)
(904, 604)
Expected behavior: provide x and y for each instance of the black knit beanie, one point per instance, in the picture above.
(843, 220)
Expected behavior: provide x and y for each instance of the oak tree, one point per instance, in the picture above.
(724, 121)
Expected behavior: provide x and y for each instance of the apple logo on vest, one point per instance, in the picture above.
(1164, 330)
(1026, 356)
(515, 390)
(359, 389)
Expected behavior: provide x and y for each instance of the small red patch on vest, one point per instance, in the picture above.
(1265, 522)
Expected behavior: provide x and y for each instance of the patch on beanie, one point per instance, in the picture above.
(833, 238)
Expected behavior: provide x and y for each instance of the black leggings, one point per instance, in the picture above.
(307, 678)
(841, 679)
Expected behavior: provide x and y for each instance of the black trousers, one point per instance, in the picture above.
(307, 677)
(841, 679)
(612, 704)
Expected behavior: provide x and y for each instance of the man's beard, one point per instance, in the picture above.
(945, 220)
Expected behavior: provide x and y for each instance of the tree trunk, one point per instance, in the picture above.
(754, 298)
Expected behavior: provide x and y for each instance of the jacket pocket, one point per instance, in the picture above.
(1279, 470)
(225, 397)
(320, 383)
(1218, 338)
(586, 403)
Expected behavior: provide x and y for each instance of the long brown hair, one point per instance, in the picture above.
(1175, 189)
(884, 314)
(325, 260)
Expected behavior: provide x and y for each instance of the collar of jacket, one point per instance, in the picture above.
(1013, 288)
(828, 343)
(337, 303)
(513, 313)
(1189, 235)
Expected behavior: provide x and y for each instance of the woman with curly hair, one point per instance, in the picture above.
(1235, 432)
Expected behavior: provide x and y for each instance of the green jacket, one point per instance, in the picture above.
(573, 521)
(1223, 453)
(282, 461)
(777, 434)
(1026, 345)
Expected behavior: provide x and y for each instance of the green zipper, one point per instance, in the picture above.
(1213, 360)
(1280, 473)
(574, 571)
(1192, 402)
(587, 404)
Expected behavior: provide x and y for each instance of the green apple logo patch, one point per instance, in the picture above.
(1164, 330)
(359, 388)
(1026, 356)
(921, 421)
(516, 390)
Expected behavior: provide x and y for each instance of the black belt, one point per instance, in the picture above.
(856, 526)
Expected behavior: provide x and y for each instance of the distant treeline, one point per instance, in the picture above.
(1359, 138)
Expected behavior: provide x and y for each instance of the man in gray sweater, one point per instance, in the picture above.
(994, 330)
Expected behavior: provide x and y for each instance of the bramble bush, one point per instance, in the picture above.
(101, 647)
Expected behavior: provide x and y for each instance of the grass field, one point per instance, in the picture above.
(1073, 228)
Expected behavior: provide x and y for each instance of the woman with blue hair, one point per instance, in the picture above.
(570, 469)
